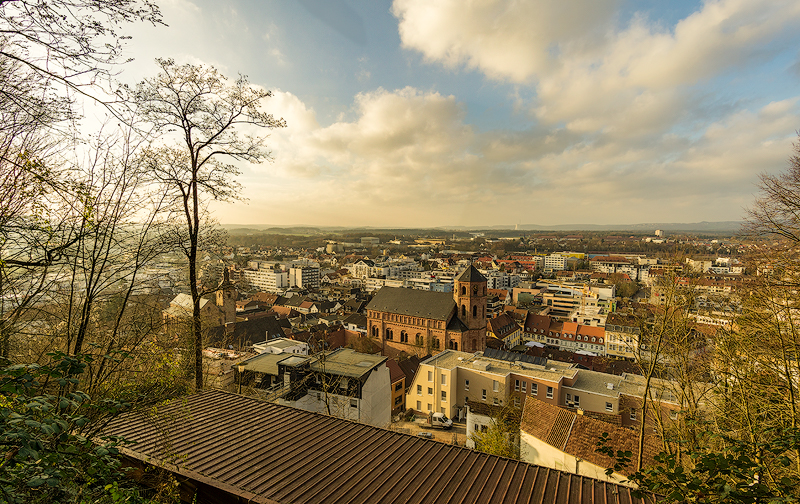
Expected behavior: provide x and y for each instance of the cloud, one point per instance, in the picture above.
(589, 73)
(408, 157)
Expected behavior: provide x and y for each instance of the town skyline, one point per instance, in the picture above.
(613, 112)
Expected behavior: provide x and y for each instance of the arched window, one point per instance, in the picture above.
(419, 339)
(475, 311)
(436, 343)
(463, 310)
(474, 345)
(389, 334)
(374, 331)
(453, 345)
(463, 290)
(403, 337)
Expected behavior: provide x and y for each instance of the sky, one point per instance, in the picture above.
(424, 113)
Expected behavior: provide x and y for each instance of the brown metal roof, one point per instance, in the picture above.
(275, 454)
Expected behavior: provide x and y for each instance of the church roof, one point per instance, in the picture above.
(471, 274)
(413, 302)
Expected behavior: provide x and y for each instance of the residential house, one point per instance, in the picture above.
(563, 439)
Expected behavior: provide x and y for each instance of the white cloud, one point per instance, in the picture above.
(590, 74)
(409, 158)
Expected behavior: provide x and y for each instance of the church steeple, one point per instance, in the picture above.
(470, 296)
(226, 297)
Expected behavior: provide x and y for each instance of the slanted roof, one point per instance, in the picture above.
(260, 452)
(395, 373)
(416, 303)
(471, 274)
(577, 434)
(356, 319)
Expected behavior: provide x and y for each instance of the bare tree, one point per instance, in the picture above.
(73, 43)
(201, 113)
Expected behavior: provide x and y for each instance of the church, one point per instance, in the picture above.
(425, 322)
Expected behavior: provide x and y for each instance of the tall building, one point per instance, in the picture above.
(425, 322)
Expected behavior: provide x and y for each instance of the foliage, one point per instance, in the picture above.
(738, 472)
(48, 435)
(501, 436)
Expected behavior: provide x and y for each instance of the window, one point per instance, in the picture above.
(495, 386)
(534, 388)
(430, 407)
(495, 401)
(398, 400)
(483, 394)
(444, 395)
(577, 400)
(436, 343)
(466, 385)
(633, 413)
(609, 406)
(389, 334)
(419, 389)
(419, 340)
(569, 397)
(673, 414)
(419, 405)
(354, 403)
(430, 390)
(516, 402)
(475, 311)
(516, 385)
(430, 375)
(549, 392)
(524, 387)
(444, 379)
(403, 337)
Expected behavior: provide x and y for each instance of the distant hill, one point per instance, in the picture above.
(645, 227)
(723, 226)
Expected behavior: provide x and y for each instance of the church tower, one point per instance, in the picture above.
(470, 296)
(226, 298)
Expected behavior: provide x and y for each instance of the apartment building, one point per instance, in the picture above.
(266, 279)
(447, 381)
(504, 328)
(622, 335)
(304, 277)
(570, 336)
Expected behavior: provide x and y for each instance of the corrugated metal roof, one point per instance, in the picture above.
(271, 453)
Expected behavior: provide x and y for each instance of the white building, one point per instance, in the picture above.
(304, 277)
(266, 279)
(555, 262)
(346, 384)
(281, 345)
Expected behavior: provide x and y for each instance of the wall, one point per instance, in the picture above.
(535, 451)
